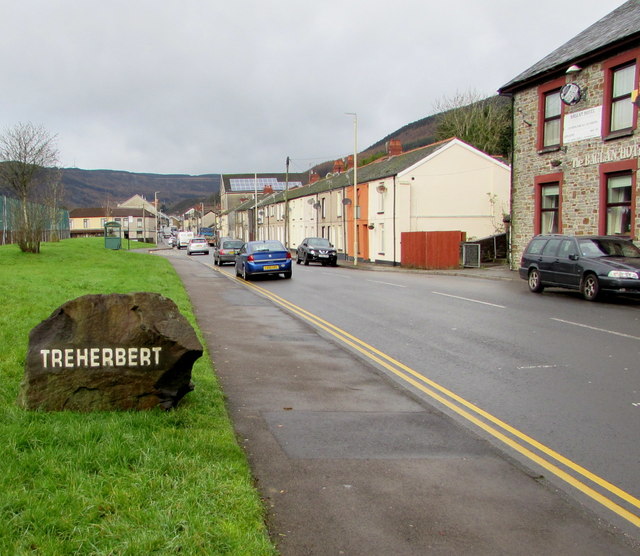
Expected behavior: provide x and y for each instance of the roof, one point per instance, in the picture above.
(377, 170)
(102, 212)
(243, 183)
(613, 32)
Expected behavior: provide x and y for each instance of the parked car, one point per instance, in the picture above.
(225, 251)
(198, 245)
(591, 264)
(317, 249)
(263, 257)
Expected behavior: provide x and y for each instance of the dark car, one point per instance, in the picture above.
(591, 264)
(263, 257)
(225, 250)
(317, 249)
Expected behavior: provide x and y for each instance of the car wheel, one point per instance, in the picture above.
(298, 259)
(590, 287)
(306, 259)
(535, 284)
(287, 274)
(245, 275)
(237, 273)
(215, 261)
(334, 263)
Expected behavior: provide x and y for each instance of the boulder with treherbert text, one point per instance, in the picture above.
(110, 352)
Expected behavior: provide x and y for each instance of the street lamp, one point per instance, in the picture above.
(355, 186)
(155, 205)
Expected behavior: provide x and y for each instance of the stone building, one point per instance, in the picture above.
(576, 147)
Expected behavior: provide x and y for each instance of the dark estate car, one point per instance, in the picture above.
(317, 249)
(263, 257)
(225, 250)
(590, 264)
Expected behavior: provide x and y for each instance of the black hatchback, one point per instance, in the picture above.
(590, 264)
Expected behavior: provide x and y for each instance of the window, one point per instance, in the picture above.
(619, 189)
(139, 222)
(103, 221)
(339, 205)
(381, 195)
(548, 204)
(323, 208)
(623, 80)
(552, 119)
(617, 198)
(620, 79)
(85, 223)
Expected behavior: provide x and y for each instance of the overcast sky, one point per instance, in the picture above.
(229, 86)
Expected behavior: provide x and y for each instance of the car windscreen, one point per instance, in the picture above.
(319, 242)
(235, 244)
(267, 246)
(608, 248)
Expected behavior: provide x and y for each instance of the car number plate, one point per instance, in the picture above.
(324, 256)
(270, 267)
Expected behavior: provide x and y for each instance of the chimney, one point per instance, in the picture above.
(394, 147)
(313, 177)
(349, 162)
(268, 190)
(338, 166)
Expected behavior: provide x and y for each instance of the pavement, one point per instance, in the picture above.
(349, 463)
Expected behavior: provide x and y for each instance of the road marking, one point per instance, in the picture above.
(387, 283)
(469, 299)
(598, 329)
(473, 414)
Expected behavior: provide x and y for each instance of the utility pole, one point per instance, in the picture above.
(355, 187)
(286, 206)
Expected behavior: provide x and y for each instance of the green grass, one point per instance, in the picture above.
(125, 483)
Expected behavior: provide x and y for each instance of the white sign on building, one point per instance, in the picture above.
(582, 125)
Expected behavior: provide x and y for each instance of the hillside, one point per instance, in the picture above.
(96, 188)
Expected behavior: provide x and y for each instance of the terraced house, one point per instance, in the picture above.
(576, 147)
(446, 186)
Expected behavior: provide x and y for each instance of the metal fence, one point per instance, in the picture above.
(56, 224)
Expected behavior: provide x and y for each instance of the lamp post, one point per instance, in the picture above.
(155, 205)
(355, 186)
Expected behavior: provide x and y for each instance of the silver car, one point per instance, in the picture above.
(226, 249)
(198, 245)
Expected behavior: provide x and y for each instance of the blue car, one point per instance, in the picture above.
(263, 257)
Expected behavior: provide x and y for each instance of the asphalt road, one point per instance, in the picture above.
(552, 369)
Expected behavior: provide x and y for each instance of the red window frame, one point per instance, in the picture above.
(609, 67)
(539, 182)
(543, 91)
(607, 170)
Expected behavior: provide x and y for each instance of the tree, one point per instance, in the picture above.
(28, 168)
(483, 123)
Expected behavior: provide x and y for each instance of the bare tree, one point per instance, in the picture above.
(28, 160)
(484, 123)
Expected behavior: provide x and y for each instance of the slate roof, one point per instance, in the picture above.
(617, 30)
(225, 179)
(102, 212)
(376, 170)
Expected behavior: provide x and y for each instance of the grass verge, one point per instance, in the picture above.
(114, 482)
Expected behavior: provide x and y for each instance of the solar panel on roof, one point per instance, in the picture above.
(250, 184)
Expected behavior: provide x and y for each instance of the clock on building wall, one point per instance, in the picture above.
(571, 94)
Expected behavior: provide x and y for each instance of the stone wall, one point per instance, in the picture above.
(578, 163)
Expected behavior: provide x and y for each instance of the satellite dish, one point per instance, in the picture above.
(329, 175)
(317, 205)
(346, 201)
(381, 188)
(310, 201)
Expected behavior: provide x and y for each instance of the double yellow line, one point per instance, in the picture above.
(498, 429)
